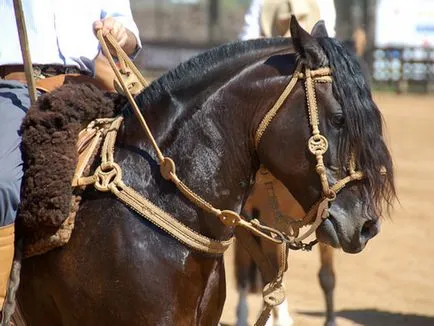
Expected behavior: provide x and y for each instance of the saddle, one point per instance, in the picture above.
(56, 146)
(48, 78)
(54, 135)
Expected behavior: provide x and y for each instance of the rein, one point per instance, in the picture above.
(167, 165)
(273, 293)
(108, 177)
(317, 145)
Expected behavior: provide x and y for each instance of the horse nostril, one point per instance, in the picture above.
(369, 230)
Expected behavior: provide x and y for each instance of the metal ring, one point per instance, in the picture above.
(318, 144)
(105, 178)
(331, 195)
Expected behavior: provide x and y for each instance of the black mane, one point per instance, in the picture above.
(363, 131)
(195, 70)
(362, 134)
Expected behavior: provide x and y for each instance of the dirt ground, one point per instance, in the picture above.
(392, 281)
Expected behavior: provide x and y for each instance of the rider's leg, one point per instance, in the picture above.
(14, 101)
(6, 257)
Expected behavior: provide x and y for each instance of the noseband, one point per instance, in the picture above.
(317, 145)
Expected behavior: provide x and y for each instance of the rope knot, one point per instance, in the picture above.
(274, 293)
(107, 175)
(229, 218)
(108, 166)
(167, 168)
(331, 195)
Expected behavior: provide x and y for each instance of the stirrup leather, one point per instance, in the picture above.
(7, 237)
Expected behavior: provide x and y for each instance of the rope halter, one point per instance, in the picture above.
(317, 145)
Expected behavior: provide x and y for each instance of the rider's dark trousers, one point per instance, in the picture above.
(14, 102)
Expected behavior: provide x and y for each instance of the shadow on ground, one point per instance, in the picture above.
(374, 317)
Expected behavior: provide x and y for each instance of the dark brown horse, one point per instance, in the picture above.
(118, 269)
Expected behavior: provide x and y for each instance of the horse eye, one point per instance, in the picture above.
(338, 120)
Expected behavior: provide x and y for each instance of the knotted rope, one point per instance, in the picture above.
(108, 176)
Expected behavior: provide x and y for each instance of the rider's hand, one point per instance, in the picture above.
(123, 36)
(111, 25)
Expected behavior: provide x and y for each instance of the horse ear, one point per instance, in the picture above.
(307, 46)
(319, 30)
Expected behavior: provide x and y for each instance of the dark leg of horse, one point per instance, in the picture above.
(212, 298)
(44, 311)
(327, 280)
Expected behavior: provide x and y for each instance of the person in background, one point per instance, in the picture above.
(270, 18)
(62, 41)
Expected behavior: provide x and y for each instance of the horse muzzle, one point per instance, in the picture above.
(340, 231)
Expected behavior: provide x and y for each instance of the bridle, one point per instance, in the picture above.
(273, 292)
(317, 145)
(108, 177)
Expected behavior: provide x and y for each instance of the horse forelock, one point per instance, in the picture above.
(363, 130)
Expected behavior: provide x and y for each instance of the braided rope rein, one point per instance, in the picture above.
(108, 176)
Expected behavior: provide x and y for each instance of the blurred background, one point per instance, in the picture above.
(399, 49)
(391, 282)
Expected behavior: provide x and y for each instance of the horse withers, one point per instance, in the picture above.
(120, 269)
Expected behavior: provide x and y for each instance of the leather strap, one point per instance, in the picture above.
(108, 177)
(7, 238)
(273, 292)
(249, 243)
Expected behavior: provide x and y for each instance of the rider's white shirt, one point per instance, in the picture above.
(59, 31)
(252, 28)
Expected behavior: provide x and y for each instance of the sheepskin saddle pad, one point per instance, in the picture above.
(49, 135)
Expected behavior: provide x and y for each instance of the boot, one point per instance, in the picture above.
(7, 237)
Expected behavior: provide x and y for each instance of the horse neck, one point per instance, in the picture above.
(206, 130)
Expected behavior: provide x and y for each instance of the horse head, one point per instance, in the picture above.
(349, 124)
